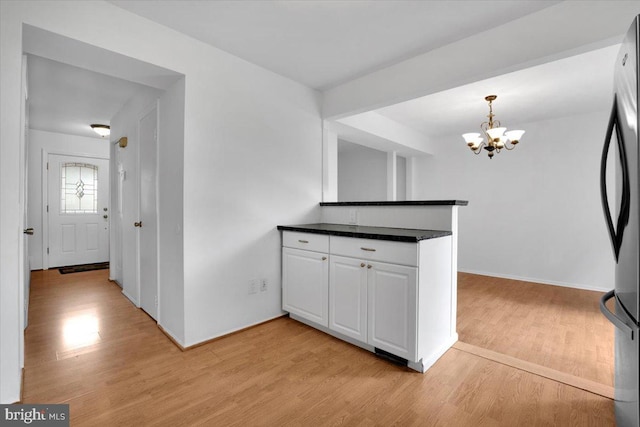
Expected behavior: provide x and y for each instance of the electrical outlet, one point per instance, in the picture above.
(263, 285)
(253, 286)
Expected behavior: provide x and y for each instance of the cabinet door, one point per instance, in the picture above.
(348, 297)
(392, 307)
(305, 284)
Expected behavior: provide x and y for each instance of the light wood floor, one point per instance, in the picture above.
(552, 326)
(86, 345)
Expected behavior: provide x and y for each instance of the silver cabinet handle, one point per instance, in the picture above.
(618, 322)
(28, 231)
(368, 249)
(303, 241)
(324, 258)
(362, 264)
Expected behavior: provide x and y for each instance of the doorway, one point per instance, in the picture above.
(77, 210)
(76, 84)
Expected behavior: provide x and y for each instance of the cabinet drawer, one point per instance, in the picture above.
(307, 241)
(376, 250)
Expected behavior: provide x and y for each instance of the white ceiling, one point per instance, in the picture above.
(72, 84)
(67, 99)
(578, 84)
(321, 44)
(46, 44)
(324, 43)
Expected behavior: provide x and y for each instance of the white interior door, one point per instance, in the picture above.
(78, 200)
(148, 225)
(27, 230)
(24, 174)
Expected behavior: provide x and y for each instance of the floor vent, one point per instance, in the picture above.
(391, 357)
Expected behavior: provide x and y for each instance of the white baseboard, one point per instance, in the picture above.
(130, 298)
(172, 336)
(534, 280)
(425, 364)
(231, 331)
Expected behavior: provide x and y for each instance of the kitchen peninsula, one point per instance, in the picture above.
(380, 275)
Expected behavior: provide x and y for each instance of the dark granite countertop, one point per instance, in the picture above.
(365, 232)
(401, 203)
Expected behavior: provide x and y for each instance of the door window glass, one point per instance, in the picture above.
(79, 188)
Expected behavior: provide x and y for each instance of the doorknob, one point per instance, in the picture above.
(137, 224)
(28, 231)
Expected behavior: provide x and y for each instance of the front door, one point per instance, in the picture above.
(78, 194)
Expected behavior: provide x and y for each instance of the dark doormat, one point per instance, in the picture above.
(84, 267)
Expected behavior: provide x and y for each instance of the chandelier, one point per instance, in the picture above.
(496, 137)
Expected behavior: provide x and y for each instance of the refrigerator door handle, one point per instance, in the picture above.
(618, 322)
(617, 233)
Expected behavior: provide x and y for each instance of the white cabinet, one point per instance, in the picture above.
(392, 308)
(348, 297)
(305, 277)
(378, 294)
(374, 302)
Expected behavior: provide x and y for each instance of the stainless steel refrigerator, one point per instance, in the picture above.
(622, 215)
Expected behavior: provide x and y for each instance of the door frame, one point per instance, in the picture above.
(45, 198)
(144, 112)
(24, 269)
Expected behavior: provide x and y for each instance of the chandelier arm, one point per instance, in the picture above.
(507, 146)
(485, 126)
(479, 149)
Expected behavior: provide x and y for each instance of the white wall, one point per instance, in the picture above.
(170, 211)
(53, 143)
(11, 344)
(362, 173)
(252, 160)
(401, 178)
(253, 153)
(534, 213)
(115, 217)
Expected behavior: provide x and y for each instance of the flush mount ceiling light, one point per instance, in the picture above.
(496, 137)
(102, 130)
